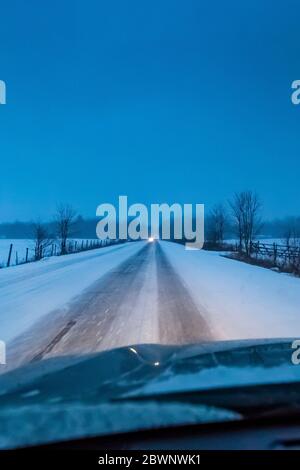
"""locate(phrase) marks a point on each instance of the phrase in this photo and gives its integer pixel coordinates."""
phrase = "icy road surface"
(140, 293)
(141, 300)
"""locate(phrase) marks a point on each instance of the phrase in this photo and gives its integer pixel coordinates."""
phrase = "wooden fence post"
(26, 258)
(275, 252)
(9, 255)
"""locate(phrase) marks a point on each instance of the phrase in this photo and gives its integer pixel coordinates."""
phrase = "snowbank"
(239, 300)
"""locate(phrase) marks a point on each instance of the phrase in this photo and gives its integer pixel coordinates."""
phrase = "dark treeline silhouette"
(84, 228)
(239, 219)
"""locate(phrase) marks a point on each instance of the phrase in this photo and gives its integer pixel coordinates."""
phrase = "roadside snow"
(239, 300)
(28, 292)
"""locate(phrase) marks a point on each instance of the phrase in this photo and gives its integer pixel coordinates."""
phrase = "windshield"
(150, 221)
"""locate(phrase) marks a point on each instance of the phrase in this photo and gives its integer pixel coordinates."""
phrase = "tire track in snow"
(180, 320)
(92, 317)
(141, 300)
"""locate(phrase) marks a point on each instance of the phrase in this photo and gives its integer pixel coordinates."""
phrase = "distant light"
(150, 239)
(156, 364)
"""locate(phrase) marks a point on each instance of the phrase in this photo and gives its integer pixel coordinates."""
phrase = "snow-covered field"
(19, 250)
(20, 246)
(278, 241)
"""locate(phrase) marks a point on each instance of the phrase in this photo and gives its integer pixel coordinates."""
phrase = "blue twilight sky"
(161, 100)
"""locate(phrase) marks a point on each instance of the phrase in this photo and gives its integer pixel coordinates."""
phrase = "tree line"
(242, 217)
(243, 213)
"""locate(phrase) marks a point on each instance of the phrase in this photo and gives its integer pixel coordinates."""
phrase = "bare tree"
(217, 223)
(237, 208)
(65, 221)
(291, 231)
(245, 208)
(41, 240)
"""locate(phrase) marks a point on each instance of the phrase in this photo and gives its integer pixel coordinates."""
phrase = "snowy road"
(140, 301)
(140, 293)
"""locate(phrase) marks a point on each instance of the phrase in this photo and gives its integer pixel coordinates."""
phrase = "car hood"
(139, 370)
(140, 387)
